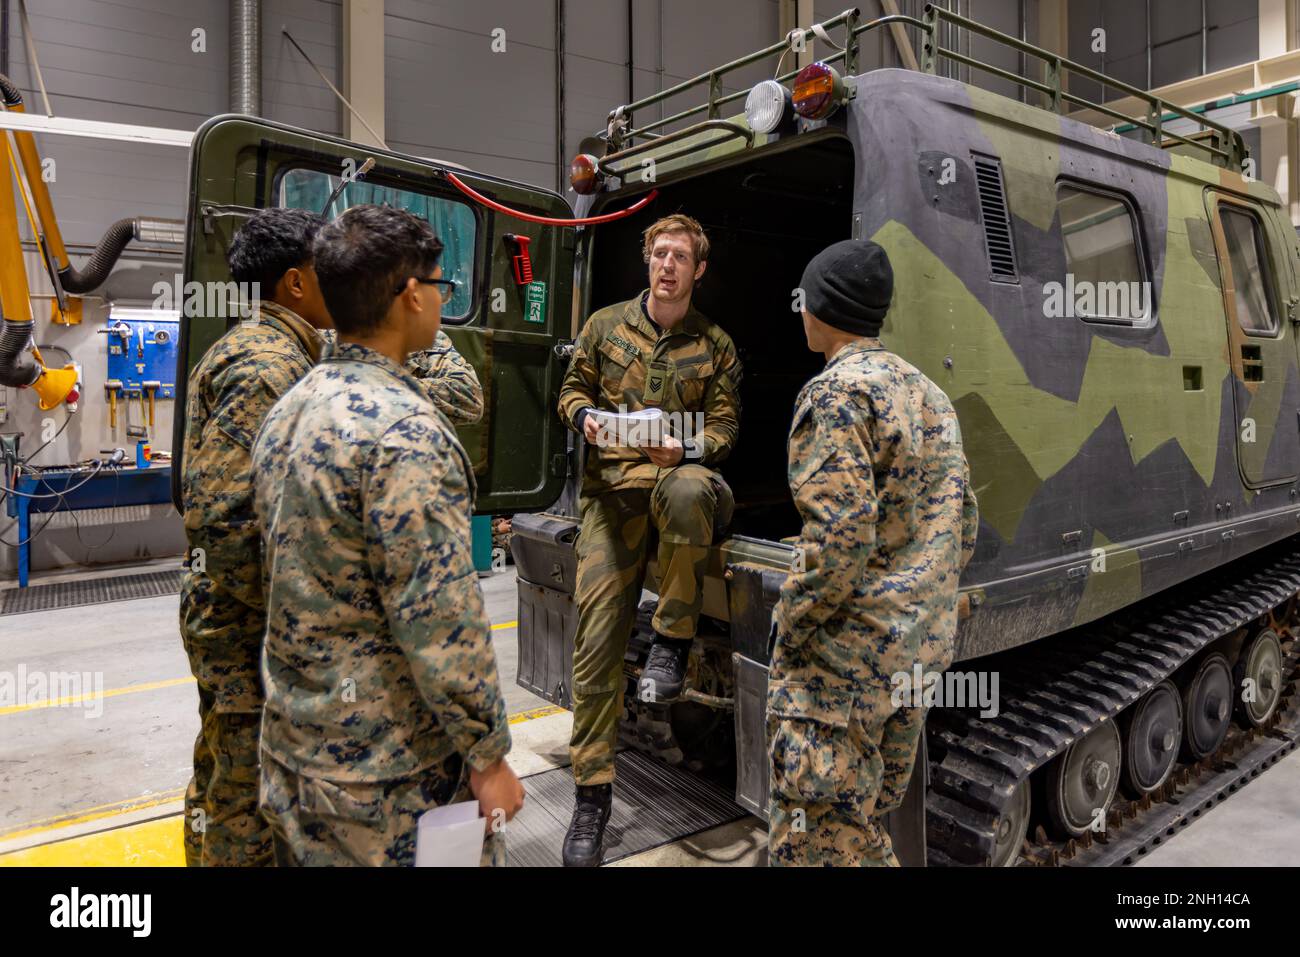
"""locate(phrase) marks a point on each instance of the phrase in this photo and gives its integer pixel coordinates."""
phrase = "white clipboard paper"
(450, 836)
(641, 429)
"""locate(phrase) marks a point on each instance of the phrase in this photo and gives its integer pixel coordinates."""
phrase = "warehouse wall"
(447, 95)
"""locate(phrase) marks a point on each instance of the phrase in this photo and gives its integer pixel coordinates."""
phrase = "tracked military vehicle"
(1113, 318)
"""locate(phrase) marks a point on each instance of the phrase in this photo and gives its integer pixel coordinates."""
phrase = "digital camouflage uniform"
(621, 359)
(889, 520)
(221, 608)
(446, 376)
(449, 379)
(381, 682)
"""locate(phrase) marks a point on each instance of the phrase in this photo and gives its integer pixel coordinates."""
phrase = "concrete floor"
(68, 771)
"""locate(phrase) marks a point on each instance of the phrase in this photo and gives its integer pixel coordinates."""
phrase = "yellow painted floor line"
(146, 844)
(70, 701)
(73, 818)
(522, 716)
(158, 843)
(74, 700)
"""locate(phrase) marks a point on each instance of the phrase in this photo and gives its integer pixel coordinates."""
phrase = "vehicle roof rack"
(1220, 144)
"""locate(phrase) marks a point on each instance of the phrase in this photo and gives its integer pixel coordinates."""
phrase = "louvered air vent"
(997, 226)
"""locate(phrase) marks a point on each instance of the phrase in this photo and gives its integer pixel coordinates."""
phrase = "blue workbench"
(114, 486)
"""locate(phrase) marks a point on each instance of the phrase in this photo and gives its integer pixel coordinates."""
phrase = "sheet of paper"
(450, 836)
(645, 427)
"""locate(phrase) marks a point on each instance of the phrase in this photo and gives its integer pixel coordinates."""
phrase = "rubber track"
(1099, 673)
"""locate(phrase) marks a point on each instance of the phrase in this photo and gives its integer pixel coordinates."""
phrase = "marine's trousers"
(319, 823)
(222, 825)
(842, 756)
(687, 506)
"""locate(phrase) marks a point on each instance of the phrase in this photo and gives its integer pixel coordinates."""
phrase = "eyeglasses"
(446, 288)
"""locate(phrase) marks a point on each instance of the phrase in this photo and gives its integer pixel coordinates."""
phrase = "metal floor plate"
(654, 804)
(68, 594)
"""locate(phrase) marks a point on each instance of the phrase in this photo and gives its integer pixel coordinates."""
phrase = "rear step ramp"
(654, 805)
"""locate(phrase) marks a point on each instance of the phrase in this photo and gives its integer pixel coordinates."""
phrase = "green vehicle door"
(507, 330)
(1261, 347)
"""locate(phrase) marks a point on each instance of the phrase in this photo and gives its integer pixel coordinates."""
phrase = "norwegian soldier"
(877, 472)
(222, 609)
(655, 351)
(382, 696)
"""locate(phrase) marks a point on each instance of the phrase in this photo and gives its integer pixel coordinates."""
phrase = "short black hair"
(270, 243)
(362, 258)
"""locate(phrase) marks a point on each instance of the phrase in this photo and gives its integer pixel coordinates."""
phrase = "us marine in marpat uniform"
(449, 379)
(222, 611)
(889, 521)
(381, 682)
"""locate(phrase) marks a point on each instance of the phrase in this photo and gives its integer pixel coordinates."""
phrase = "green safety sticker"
(535, 302)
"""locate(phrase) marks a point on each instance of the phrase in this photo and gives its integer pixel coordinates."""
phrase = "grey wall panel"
(98, 182)
(699, 36)
(448, 94)
(1002, 15)
(291, 91)
(134, 52)
(525, 22)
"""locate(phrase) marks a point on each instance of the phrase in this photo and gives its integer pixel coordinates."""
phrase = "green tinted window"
(453, 222)
(1101, 250)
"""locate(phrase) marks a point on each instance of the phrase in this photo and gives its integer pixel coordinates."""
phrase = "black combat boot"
(584, 841)
(665, 669)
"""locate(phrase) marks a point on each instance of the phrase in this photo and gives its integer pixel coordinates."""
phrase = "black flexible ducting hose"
(101, 260)
(11, 93)
(18, 367)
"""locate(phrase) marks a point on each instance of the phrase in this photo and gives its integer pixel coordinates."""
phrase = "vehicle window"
(1245, 242)
(1101, 254)
(453, 222)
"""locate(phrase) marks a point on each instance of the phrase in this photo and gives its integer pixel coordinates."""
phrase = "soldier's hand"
(590, 429)
(667, 455)
(498, 791)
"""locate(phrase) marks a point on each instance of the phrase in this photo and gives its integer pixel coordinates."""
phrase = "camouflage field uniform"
(878, 475)
(450, 381)
(221, 609)
(381, 682)
(620, 358)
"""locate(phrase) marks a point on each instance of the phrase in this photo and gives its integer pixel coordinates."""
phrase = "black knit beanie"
(848, 285)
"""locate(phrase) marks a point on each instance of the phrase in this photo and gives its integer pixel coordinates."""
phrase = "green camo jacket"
(231, 391)
(378, 660)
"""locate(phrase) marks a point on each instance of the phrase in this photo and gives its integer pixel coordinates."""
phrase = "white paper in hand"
(639, 429)
(450, 836)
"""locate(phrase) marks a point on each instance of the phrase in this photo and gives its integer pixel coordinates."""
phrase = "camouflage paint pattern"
(449, 380)
(221, 609)
(378, 661)
(1109, 458)
(889, 519)
(687, 507)
(610, 366)
(1112, 460)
